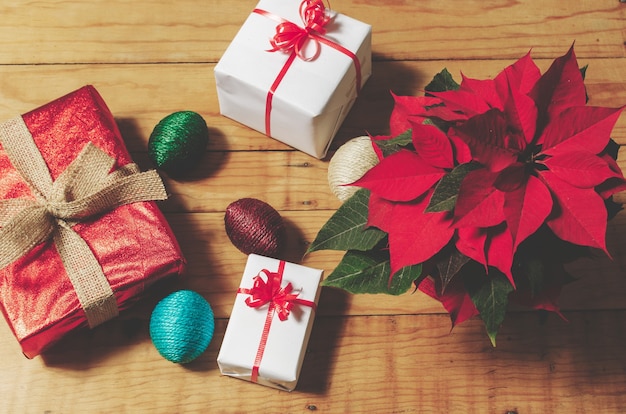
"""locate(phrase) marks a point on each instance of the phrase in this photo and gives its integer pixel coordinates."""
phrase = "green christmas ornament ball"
(182, 326)
(178, 142)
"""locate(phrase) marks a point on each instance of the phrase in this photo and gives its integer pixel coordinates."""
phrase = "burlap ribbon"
(84, 190)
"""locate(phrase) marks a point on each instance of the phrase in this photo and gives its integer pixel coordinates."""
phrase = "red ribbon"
(281, 301)
(291, 38)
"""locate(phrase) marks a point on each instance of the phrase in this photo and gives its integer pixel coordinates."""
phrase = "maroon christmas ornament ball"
(253, 226)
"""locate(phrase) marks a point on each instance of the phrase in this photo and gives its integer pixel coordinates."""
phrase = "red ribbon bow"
(262, 292)
(292, 38)
(280, 299)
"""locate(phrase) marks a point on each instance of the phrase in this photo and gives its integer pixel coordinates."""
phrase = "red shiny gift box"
(82, 236)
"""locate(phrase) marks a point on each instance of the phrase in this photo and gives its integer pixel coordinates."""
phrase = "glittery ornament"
(254, 226)
(178, 142)
(181, 326)
(348, 164)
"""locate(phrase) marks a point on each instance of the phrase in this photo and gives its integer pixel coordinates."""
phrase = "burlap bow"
(84, 190)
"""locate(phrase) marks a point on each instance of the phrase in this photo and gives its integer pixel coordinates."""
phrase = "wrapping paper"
(314, 96)
(133, 243)
(283, 342)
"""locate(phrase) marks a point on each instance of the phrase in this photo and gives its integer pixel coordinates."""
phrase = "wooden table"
(367, 353)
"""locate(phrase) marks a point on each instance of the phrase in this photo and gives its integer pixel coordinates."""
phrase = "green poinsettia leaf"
(393, 145)
(368, 272)
(491, 299)
(441, 82)
(449, 264)
(346, 229)
(447, 190)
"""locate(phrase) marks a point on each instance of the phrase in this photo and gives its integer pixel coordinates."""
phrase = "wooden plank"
(431, 30)
(286, 180)
(380, 364)
(151, 31)
(104, 31)
(141, 95)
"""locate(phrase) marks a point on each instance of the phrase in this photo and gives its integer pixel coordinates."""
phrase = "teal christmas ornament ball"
(178, 142)
(181, 326)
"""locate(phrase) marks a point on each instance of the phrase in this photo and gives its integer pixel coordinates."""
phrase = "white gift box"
(256, 339)
(314, 96)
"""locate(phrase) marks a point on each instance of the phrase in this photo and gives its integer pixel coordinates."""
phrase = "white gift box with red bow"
(271, 321)
(293, 71)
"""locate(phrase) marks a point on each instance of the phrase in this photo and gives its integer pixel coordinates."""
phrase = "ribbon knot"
(270, 291)
(291, 37)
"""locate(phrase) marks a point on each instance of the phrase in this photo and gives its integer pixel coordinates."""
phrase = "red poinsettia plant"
(484, 190)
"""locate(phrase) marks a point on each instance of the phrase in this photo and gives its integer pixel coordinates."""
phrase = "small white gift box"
(269, 327)
(298, 97)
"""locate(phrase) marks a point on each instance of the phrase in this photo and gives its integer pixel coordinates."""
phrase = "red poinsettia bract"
(540, 155)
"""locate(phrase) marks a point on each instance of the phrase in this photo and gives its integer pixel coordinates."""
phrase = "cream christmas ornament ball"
(348, 164)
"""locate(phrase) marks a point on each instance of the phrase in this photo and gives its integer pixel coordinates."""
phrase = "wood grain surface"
(369, 353)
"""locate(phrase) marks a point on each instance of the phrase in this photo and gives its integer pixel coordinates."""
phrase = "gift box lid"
(313, 86)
